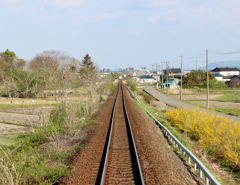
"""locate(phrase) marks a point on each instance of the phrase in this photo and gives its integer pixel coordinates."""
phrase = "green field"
(229, 97)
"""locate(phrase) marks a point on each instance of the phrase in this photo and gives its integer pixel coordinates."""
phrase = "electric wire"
(199, 55)
(225, 53)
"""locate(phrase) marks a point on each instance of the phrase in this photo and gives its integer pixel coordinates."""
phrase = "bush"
(214, 83)
(216, 134)
(133, 86)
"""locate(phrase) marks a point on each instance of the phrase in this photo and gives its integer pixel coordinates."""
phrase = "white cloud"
(12, 1)
(201, 10)
(164, 2)
(169, 15)
(64, 3)
(102, 16)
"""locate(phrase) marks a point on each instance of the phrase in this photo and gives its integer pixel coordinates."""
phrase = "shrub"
(214, 83)
(133, 86)
(216, 134)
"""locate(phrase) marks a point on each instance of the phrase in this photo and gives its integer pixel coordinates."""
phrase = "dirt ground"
(49, 100)
(212, 104)
(217, 104)
(10, 128)
(198, 96)
(19, 119)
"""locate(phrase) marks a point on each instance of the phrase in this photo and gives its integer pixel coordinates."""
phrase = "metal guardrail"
(197, 163)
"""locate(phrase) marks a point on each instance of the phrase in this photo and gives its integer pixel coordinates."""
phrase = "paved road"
(178, 103)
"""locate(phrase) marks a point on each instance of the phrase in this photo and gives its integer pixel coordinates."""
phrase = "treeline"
(49, 71)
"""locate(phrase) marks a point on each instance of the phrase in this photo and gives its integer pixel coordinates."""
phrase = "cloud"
(102, 16)
(164, 2)
(202, 11)
(64, 3)
(169, 15)
(12, 1)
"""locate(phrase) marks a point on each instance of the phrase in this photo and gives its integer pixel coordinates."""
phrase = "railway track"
(120, 162)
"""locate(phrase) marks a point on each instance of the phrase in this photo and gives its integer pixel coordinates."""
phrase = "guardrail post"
(189, 160)
(183, 154)
(200, 173)
(206, 181)
(195, 166)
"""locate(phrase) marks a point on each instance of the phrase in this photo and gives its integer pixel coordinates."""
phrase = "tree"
(58, 71)
(7, 69)
(196, 78)
(46, 60)
(88, 73)
(86, 65)
(8, 56)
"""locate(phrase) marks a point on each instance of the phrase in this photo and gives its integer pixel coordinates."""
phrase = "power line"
(200, 54)
(225, 53)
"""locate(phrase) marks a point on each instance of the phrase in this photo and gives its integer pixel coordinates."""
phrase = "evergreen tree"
(86, 65)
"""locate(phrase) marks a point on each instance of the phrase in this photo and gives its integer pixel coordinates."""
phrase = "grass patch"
(230, 111)
(229, 97)
(6, 140)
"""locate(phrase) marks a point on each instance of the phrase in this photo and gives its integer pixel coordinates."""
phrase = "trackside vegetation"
(182, 135)
(216, 134)
(43, 154)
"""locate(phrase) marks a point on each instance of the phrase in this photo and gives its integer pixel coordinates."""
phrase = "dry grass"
(9, 174)
(159, 105)
(49, 100)
(184, 91)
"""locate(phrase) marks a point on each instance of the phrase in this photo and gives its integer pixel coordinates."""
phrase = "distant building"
(234, 81)
(175, 72)
(172, 83)
(146, 79)
(226, 72)
(219, 77)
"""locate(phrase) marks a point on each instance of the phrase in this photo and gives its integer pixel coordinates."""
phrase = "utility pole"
(181, 79)
(162, 74)
(152, 67)
(167, 75)
(157, 74)
(207, 80)
(196, 65)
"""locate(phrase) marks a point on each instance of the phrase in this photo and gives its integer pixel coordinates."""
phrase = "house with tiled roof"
(234, 81)
(226, 72)
(175, 72)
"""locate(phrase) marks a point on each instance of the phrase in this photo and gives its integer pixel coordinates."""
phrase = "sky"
(121, 32)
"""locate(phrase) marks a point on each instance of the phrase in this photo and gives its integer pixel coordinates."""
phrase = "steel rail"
(133, 142)
(191, 156)
(109, 141)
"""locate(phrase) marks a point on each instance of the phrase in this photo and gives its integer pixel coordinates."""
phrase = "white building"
(225, 72)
